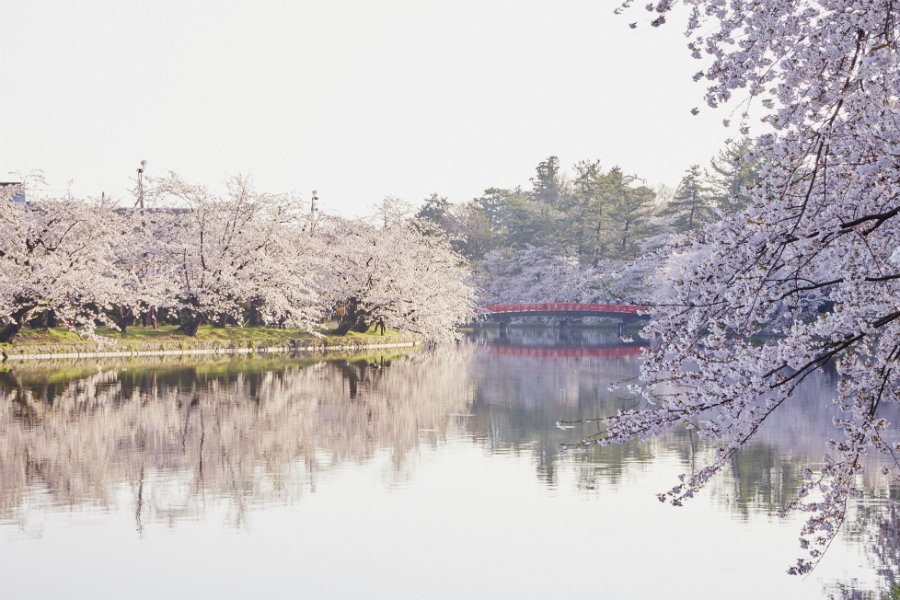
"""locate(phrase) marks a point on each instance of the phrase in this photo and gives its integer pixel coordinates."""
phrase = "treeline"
(195, 257)
(579, 236)
(595, 214)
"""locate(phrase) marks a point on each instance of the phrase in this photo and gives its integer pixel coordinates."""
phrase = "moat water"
(435, 474)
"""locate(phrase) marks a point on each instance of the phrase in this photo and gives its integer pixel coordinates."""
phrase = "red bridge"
(620, 313)
(565, 308)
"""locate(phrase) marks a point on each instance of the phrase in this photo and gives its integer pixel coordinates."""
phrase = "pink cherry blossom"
(811, 263)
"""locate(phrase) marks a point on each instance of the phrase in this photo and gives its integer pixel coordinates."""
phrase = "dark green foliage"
(693, 205)
(587, 209)
(630, 209)
(547, 185)
(597, 215)
(473, 237)
(437, 211)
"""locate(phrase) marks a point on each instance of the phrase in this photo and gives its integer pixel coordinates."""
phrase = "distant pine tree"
(693, 204)
(732, 174)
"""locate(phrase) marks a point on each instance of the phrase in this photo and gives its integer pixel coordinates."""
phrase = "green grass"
(46, 336)
(170, 335)
(55, 341)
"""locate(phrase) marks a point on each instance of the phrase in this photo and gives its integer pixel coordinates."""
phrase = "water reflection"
(874, 525)
(259, 431)
(526, 379)
(227, 429)
(526, 383)
(563, 337)
(174, 439)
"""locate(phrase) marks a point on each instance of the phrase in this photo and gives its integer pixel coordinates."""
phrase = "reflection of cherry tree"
(519, 398)
(244, 436)
(876, 525)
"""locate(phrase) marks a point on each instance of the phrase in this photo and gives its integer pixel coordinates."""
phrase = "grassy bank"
(168, 339)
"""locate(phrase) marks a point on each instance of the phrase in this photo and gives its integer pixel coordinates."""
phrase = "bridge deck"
(564, 308)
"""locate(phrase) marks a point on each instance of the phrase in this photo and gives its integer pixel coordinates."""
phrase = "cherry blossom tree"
(58, 255)
(535, 274)
(239, 249)
(221, 257)
(397, 277)
(148, 278)
(813, 259)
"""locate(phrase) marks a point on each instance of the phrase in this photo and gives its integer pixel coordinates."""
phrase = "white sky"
(357, 99)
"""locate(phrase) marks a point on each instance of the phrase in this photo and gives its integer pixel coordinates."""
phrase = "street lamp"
(313, 212)
(140, 173)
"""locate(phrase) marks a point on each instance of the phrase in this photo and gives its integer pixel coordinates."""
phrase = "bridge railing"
(581, 307)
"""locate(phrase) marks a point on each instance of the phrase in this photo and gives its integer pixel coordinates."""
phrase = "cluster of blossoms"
(535, 274)
(220, 258)
(812, 260)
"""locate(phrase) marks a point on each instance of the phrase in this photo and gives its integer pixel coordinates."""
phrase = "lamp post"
(313, 212)
(140, 173)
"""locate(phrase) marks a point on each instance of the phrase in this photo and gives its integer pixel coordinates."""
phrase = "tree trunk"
(353, 319)
(254, 314)
(343, 327)
(122, 316)
(362, 325)
(191, 323)
(38, 321)
(357, 323)
(9, 331)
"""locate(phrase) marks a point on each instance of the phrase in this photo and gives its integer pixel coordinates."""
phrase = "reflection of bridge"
(618, 312)
(555, 353)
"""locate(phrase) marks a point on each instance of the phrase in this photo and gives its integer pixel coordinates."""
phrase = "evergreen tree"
(473, 237)
(528, 222)
(548, 186)
(494, 202)
(732, 175)
(435, 214)
(588, 228)
(692, 204)
(630, 208)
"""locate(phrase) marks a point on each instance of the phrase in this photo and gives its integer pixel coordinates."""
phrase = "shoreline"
(112, 348)
(201, 351)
